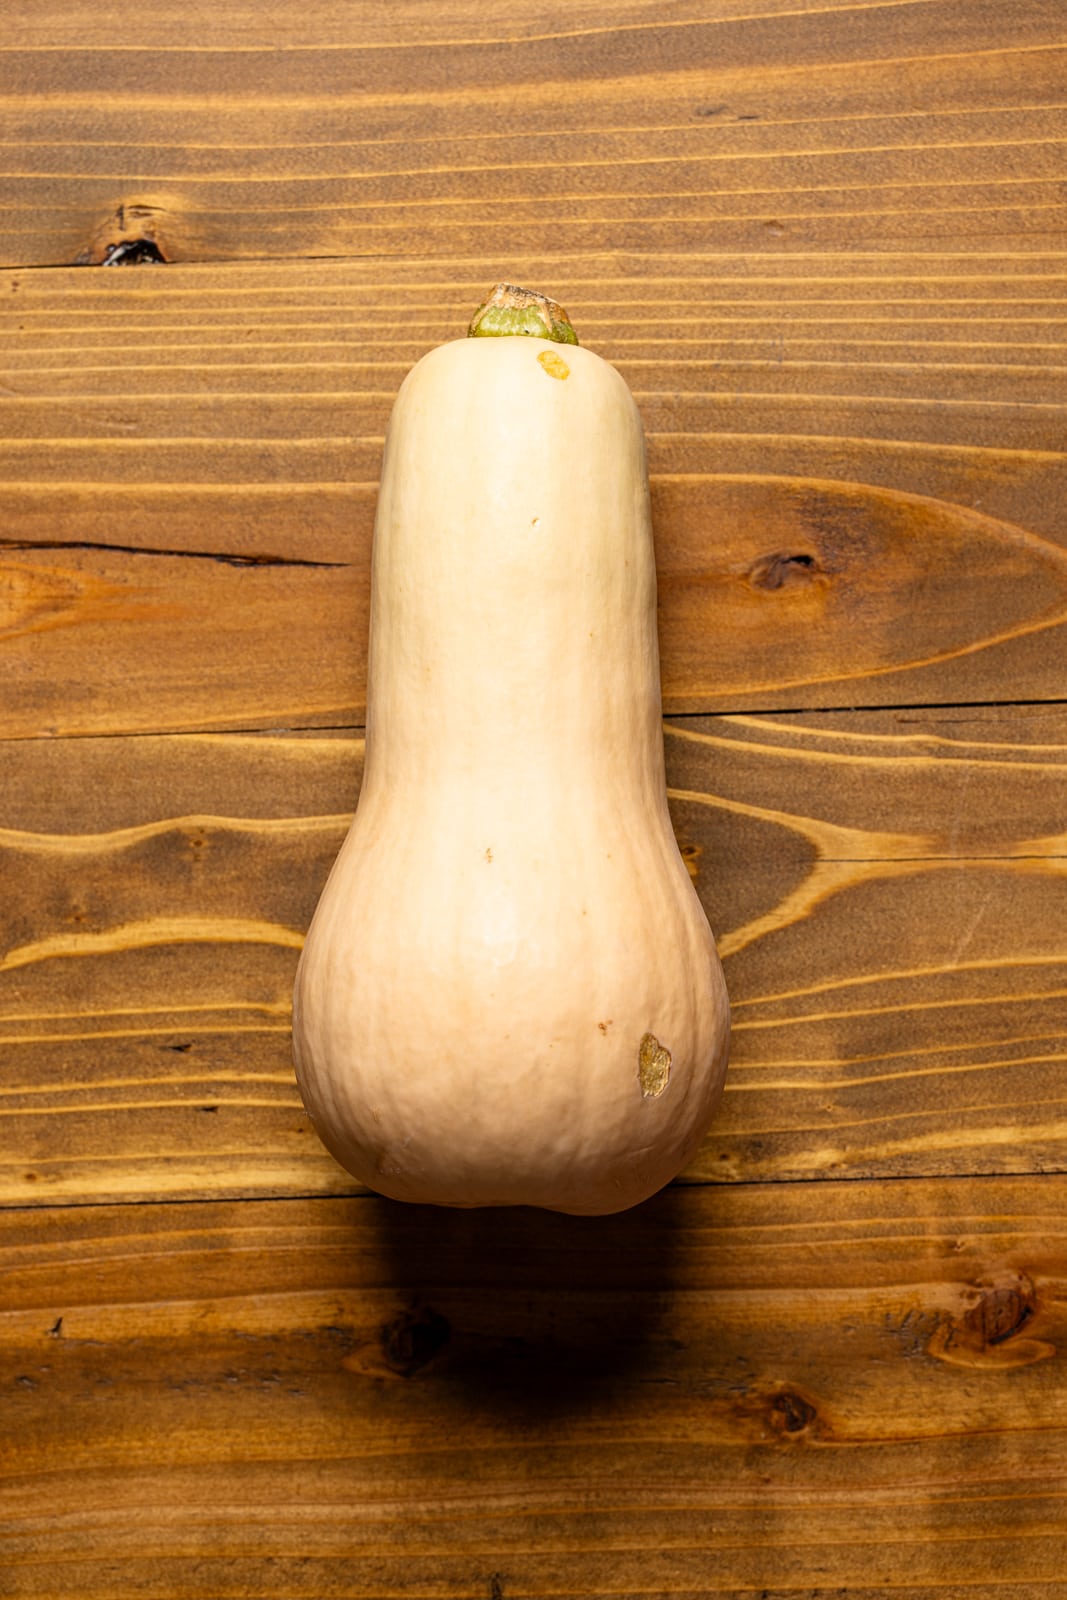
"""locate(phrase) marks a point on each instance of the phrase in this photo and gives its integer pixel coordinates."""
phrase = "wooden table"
(824, 243)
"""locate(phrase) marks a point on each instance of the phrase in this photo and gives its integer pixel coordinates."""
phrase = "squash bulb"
(509, 994)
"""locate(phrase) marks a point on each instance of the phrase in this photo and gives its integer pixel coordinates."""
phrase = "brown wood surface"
(824, 242)
(360, 1399)
(889, 891)
(858, 472)
(284, 130)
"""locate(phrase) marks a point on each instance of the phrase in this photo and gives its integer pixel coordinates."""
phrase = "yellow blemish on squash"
(653, 1066)
(554, 365)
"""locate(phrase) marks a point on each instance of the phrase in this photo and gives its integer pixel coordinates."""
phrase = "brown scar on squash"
(691, 854)
(653, 1066)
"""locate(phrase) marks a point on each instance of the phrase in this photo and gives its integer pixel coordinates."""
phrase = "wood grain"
(703, 1397)
(858, 476)
(824, 242)
(276, 130)
(889, 891)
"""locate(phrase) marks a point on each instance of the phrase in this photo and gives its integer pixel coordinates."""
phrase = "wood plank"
(858, 476)
(824, 243)
(755, 1390)
(913, 944)
(888, 889)
(275, 130)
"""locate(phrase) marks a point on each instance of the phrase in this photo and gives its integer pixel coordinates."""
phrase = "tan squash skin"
(509, 941)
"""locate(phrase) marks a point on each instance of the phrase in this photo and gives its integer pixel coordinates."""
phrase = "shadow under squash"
(529, 1313)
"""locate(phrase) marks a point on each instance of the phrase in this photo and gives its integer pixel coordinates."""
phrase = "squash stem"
(510, 310)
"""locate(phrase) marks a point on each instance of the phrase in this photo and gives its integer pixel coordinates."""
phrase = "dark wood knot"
(133, 253)
(791, 1413)
(412, 1340)
(994, 1331)
(1001, 1313)
(782, 568)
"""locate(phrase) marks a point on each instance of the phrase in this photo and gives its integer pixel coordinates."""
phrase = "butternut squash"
(509, 993)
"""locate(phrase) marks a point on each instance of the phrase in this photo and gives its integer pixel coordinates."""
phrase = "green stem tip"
(510, 310)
